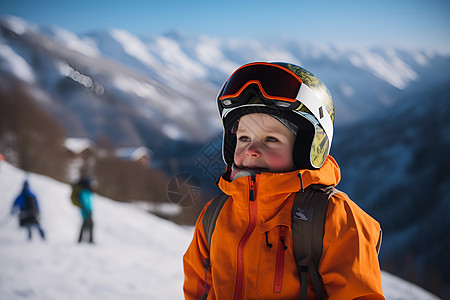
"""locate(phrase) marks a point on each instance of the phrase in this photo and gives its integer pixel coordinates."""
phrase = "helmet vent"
(321, 112)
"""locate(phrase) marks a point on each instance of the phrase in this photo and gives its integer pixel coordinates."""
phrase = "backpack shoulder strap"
(211, 214)
(307, 222)
(209, 224)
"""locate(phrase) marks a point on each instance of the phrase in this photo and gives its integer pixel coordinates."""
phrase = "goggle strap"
(307, 97)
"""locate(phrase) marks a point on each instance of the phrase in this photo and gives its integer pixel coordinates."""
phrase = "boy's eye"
(244, 139)
(271, 139)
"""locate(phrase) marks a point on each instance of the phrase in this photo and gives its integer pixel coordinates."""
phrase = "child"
(278, 128)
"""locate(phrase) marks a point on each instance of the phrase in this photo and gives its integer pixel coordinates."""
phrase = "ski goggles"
(278, 87)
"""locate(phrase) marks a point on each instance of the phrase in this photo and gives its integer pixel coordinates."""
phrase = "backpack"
(307, 222)
(29, 213)
(75, 195)
(29, 203)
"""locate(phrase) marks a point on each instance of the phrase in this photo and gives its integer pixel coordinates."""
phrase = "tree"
(29, 137)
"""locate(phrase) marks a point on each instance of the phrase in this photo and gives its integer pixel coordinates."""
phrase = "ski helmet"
(284, 90)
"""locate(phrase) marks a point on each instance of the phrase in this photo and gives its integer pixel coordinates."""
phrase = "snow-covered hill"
(136, 255)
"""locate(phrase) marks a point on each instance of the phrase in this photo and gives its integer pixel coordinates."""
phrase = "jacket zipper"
(279, 267)
(240, 253)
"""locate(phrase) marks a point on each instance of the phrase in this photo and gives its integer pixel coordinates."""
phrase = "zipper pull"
(252, 187)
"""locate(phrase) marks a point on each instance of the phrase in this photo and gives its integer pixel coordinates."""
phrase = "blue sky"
(405, 23)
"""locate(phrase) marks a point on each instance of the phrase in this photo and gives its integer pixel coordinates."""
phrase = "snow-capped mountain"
(135, 256)
(391, 114)
(85, 90)
(163, 89)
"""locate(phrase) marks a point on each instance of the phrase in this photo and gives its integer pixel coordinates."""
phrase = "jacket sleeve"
(193, 263)
(349, 265)
(16, 205)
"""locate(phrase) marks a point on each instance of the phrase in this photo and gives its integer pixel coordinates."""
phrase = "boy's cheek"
(280, 163)
(238, 156)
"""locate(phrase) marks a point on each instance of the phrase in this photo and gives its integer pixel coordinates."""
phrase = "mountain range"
(392, 108)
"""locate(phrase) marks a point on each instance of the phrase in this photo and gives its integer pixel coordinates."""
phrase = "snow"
(15, 64)
(388, 67)
(174, 58)
(136, 255)
(209, 53)
(133, 46)
(134, 86)
(77, 145)
(17, 25)
(72, 41)
(396, 289)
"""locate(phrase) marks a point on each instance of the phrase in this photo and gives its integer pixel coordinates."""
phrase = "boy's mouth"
(253, 168)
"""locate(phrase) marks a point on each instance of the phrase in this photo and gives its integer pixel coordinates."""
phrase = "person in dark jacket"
(27, 205)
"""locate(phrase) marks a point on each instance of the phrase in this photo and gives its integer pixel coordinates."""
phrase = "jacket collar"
(271, 186)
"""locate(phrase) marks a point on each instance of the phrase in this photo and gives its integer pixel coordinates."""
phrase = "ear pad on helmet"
(302, 145)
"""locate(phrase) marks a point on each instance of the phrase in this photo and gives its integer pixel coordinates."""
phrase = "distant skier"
(86, 186)
(27, 205)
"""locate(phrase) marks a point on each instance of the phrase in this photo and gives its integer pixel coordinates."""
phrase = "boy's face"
(263, 143)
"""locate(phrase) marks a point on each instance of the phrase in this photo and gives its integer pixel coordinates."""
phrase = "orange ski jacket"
(252, 249)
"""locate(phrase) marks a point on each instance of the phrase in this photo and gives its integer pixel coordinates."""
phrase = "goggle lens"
(275, 81)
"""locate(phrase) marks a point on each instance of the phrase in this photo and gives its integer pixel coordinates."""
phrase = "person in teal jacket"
(86, 209)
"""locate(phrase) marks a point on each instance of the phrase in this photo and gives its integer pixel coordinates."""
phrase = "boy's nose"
(253, 150)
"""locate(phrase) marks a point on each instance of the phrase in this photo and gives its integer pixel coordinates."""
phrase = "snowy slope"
(136, 255)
